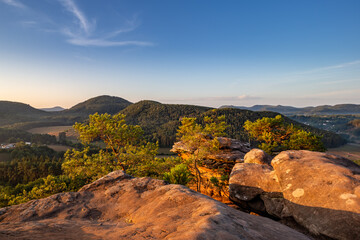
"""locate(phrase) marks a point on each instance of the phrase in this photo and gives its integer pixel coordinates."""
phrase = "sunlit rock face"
(231, 151)
(119, 206)
(321, 192)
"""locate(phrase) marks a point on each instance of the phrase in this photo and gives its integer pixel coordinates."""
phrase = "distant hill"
(53, 109)
(22, 116)
(319, 110)
(14, 112)
(100, 104)
(81, 111)
(160, 121)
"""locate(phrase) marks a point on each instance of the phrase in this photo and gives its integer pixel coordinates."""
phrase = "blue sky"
(204, 52)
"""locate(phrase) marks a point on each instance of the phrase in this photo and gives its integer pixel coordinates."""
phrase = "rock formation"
(231, 152)
(119, 206)
(321, 192)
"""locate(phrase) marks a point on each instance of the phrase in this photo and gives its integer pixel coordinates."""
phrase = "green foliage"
(154, 168)
(23, 151)
(179, 174)
(275, 135)
(200, 139)
(160, 121)
(40, 188)
(89, 167)
(221, 185)
(125, 148)
(29, 163)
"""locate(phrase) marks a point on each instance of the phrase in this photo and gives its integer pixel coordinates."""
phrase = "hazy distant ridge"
(53, 109)
(289, 110)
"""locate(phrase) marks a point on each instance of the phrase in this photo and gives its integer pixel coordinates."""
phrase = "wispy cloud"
(87, 35)
(105, 43)
(83, 22)
(326, 68)
(82, 31)
(14, 3)
(28, 23)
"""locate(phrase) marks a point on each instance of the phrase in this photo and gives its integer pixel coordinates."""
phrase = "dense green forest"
(30, 163)
(160, 121)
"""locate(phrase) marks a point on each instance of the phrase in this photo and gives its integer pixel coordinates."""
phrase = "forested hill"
(160, 121)
(22, 116)
(13, 112)
(100, 104)
(319, 110)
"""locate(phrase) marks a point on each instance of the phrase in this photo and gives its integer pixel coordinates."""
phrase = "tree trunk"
(198, 176)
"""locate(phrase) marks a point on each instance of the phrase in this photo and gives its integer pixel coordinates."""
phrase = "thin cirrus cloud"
(338, 66)
(85, 37)
(83, 33)
(84, 24)
(14, 3)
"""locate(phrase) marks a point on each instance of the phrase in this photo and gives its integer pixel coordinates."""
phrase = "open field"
(55, 130)
(5, 157)
(350, 151)
(59, 148)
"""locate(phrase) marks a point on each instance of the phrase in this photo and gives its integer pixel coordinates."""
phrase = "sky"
(203, 52)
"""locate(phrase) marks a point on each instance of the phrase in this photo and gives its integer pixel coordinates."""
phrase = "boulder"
(257, 156)
(321, 192)
(119, 206)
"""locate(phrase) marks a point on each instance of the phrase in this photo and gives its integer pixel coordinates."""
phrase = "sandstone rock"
(231, 151)
(257, 156)
(118, 206)
(321, 192)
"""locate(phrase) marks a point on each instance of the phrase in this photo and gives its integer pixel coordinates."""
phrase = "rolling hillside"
(15, 112)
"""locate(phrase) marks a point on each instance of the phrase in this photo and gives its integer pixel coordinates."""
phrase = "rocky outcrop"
(257, 156)
(118, 206)
(321, 192)
(231, 152)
